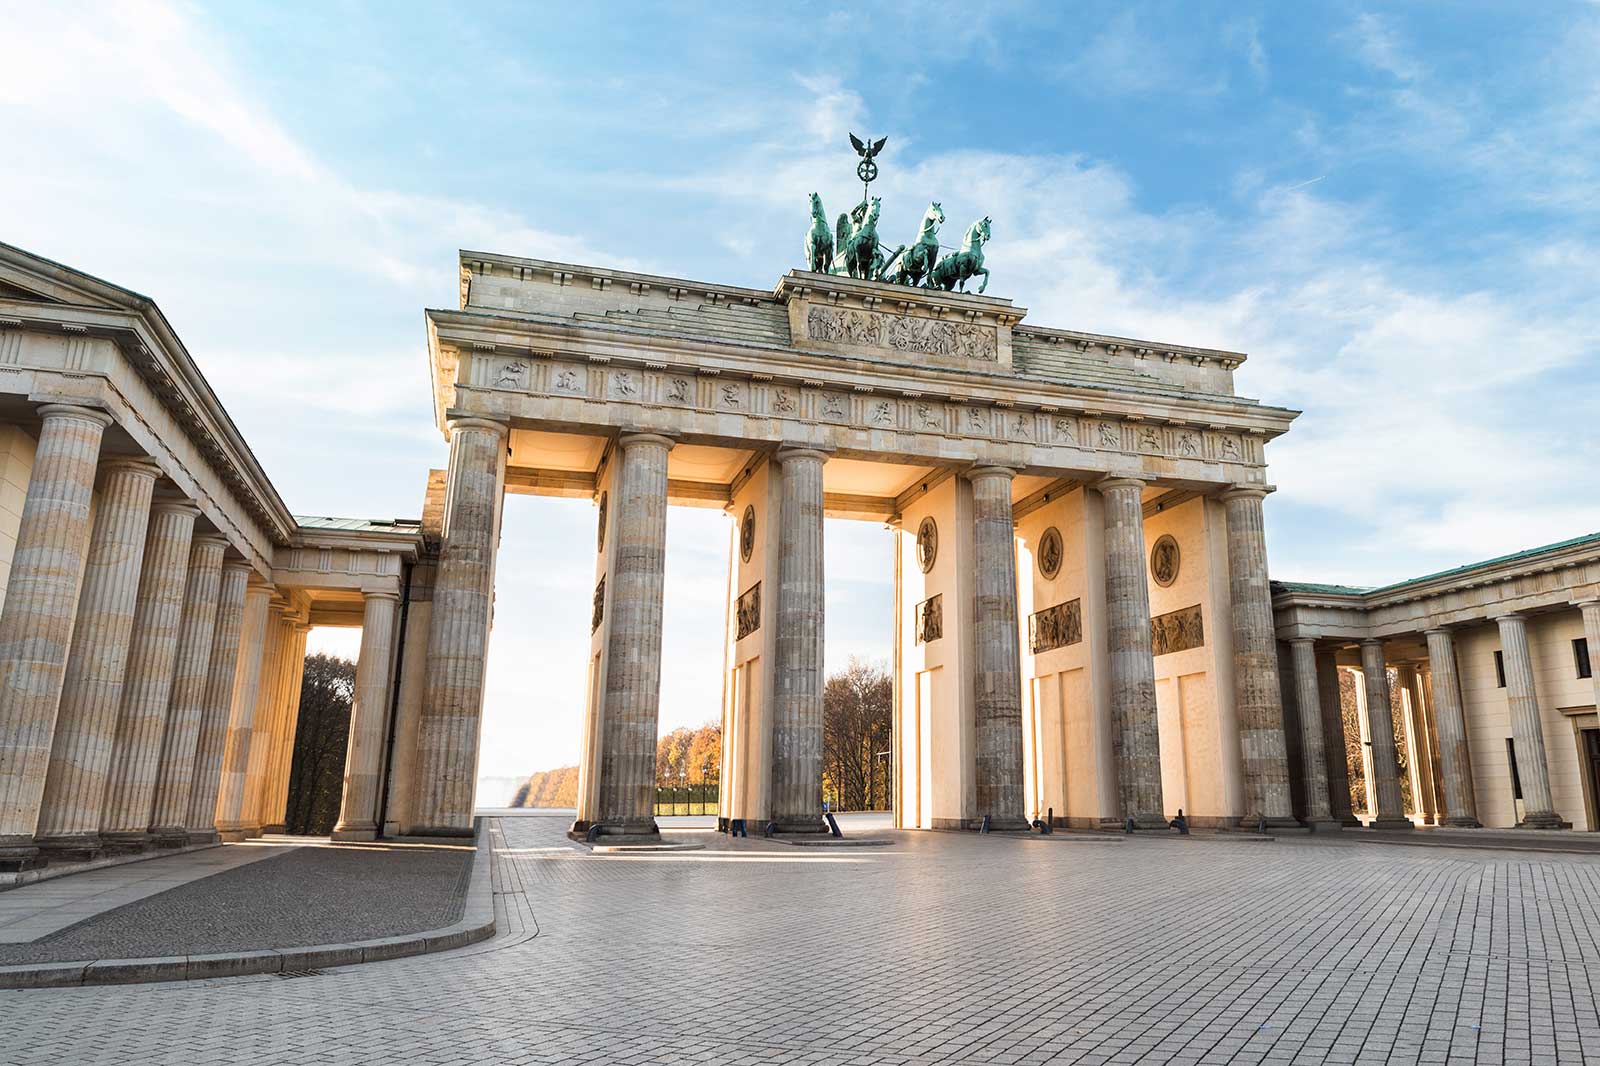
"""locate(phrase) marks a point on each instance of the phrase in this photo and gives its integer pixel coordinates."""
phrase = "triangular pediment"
(35, 279)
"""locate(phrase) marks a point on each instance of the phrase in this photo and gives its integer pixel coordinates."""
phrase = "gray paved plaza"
(942, 948)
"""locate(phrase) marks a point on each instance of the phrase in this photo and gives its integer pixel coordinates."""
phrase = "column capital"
(237, 564)
(802, 451)
(131, 464)
(185, 508)
(211, 538)
(1372, 642)
(1302, 640)
(1120, 481)
(1587, 602)
(1508, 616)
(379, 594)
(990, 470)
(628, 440)
(51, 411)
(490, 425)
(1443, 631)
(1246, 492)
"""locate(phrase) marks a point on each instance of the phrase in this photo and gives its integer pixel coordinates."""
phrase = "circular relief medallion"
(1050, 553)
(1164, 560)
(747, 532)
(927, 543)
(600, 538)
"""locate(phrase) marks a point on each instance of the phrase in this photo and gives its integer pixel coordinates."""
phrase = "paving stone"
(942, 948)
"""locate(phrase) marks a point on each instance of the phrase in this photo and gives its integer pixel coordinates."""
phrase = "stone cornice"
(453, 331)
(1551, 579)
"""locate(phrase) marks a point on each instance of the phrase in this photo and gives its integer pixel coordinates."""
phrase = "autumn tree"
(857, 708)
(316, 776)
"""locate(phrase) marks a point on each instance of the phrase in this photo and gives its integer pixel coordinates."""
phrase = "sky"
(1394, 209)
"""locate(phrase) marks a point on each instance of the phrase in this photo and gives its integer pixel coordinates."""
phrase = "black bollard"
(984, 828)
(1128, 828)
(772, 829)
(833, 826)
(593, 834)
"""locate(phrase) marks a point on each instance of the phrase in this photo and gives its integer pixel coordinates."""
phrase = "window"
(1580, 657)
(1500, 669)
(1511, 757)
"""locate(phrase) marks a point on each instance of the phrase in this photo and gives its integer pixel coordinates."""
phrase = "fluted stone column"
(36, 622)
(458, 631)
(266, 720)
(996, 656)
(216, 702)
(358, 807)
(1313, 755)
(1258, 701)
(1136, 736)
(275, 799)
(1390, 812)
(1333, 740)
(234, 779)
(169, 822)
(633, 655)
(1533, 766)
(91, 695)
(147, 686)
(1421, 754)
(1591, 634)
(797, 680)
(1455, 762)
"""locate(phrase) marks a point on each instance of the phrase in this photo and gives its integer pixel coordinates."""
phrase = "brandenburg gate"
(1083, 627)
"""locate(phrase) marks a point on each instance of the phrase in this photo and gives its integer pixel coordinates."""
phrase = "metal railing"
(687, 799)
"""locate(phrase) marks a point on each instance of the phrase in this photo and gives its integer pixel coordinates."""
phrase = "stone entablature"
(86, 341)
(569, 375)
(1543, 579)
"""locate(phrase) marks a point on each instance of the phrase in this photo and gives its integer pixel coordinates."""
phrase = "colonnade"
(131, 647)
(1440, 760)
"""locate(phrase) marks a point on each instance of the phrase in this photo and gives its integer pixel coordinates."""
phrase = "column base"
(19, 855)
(618, 831)
(124, 843)
(1348, 821)
(1145, 823)
(1543, 820)
(354, 832)
(797, 826)
(203, 836)
(234, 834)
(1462, 823)
(84, 848)
(1391, 823)
(277, 828)
(1323, 825)
(169, 837)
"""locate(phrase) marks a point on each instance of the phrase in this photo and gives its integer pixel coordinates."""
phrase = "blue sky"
(1392, 209)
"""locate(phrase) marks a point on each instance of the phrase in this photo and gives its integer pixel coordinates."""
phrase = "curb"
(477, 923)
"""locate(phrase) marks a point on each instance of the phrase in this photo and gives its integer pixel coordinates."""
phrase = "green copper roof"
(1318, 589)
(1355, 590)
(360, 525)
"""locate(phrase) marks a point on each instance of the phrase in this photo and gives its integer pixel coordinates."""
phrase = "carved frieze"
(512, 374)
(902, 333)
(569, 380)
(1177, 631)
(930, 619)
(1054, 627)
(747, 612)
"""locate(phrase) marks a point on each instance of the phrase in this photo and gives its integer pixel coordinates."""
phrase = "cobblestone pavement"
(945, 948)
(306, 895)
